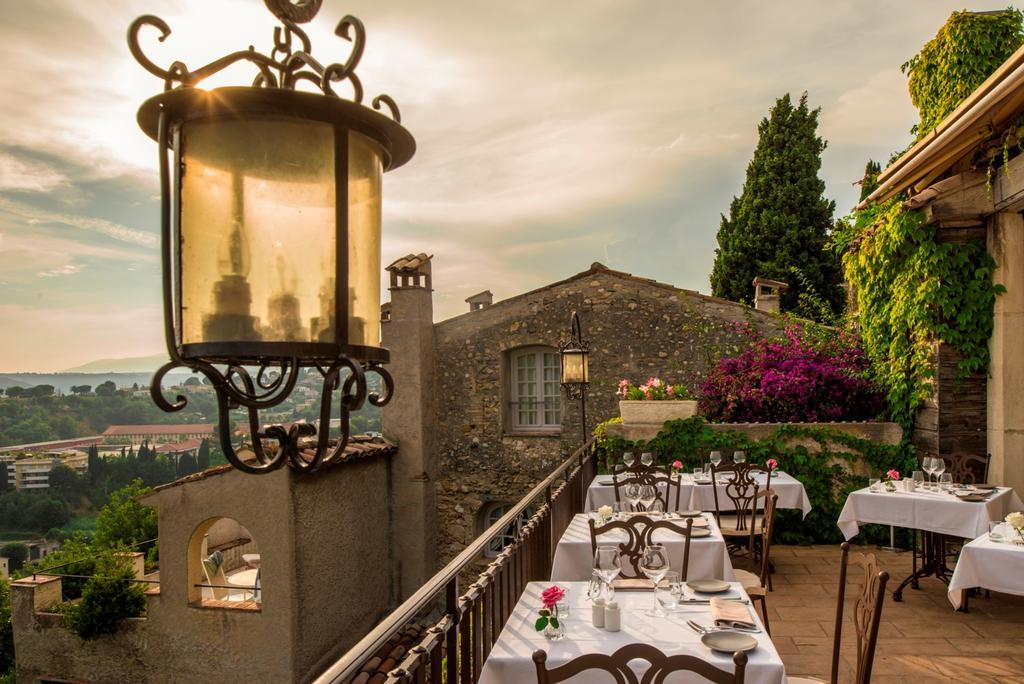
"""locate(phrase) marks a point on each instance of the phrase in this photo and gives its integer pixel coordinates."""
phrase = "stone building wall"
(636, 328)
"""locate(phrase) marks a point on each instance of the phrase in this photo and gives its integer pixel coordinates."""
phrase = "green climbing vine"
(913, 290)
(965, 51)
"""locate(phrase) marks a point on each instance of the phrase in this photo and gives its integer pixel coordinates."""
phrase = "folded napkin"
(698, 521)
(731, 614)
(638, 584)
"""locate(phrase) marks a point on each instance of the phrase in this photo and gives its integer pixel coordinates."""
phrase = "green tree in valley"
(81, 389)
(187, 465)
(125, 521)
(65, 482)
(106, 389)
(96, 464)
(204, 455)
(15, 392)
(781, 220)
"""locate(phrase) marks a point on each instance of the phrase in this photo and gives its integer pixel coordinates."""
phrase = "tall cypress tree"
(781, 220)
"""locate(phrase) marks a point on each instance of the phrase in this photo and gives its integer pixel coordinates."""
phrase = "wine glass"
(939, 464)
(739, 457)
(647, 458)
(628, 458)
(607, 559)
(928, 463)
(632, 493)
(716, 458)
(654, 564)
(946, 482)
(668, 595)
(918, 479)
(648, 496)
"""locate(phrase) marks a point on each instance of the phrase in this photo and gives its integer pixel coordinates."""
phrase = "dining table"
(698, 494)
(709, 557)
(510, 659)
(989, 563)
(936, 514)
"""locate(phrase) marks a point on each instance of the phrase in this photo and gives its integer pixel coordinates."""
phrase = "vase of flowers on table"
(548, 621)
(891, 478)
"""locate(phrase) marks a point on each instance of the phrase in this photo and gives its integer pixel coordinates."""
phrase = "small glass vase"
(551, 632)
(890, 486)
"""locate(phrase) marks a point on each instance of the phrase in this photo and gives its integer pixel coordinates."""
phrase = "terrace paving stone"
(921, 639)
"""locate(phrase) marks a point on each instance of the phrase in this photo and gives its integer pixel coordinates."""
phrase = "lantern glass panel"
(258, 226)
(574, 366)
(364, 210)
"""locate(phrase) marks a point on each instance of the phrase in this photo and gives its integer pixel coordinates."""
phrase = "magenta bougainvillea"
(809, 375)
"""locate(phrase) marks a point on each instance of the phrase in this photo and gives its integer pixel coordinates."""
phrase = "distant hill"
(135, 364)
(63, 382)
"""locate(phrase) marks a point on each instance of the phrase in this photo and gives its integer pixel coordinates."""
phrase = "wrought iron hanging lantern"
(575, 360)
(574, 355)
(270, 232)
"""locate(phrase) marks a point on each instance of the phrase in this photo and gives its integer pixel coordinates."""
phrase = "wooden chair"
(617, 664)
(639, 529)
(653, 475)
(968, 468)
(739, 525)
(758, 586)
(867, 612)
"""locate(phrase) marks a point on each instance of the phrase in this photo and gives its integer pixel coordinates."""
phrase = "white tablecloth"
(998, 566)
(700, 497)
(790, 490)
(574, 557)
(928, 511)
(511, 659)
(602, 493)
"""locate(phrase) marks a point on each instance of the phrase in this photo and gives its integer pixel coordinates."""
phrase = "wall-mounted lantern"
(574, 354)
(271, 232)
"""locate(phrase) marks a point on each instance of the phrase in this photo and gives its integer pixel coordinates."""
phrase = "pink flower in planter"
(670, 390)
(893, 474)
(552, 596)
(678, 465)
(772, 463)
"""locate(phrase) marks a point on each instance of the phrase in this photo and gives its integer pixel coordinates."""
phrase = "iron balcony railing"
(455, 646)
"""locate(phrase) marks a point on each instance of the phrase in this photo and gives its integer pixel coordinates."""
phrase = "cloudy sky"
(551, 135)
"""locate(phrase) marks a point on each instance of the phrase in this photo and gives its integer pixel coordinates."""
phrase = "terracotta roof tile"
(196, 428)
(359, 446)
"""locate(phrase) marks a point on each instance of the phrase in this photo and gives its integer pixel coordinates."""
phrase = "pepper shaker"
(597, 612)
(612, 617)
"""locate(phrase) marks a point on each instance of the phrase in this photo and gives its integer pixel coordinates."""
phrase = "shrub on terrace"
(812, 374)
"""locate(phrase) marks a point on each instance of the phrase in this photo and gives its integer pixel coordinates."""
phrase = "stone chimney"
(480, 300)
(766, 294)
(407, 331)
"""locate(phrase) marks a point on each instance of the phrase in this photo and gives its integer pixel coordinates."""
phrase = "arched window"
(534, 392)
(224, 566)
(492, 513)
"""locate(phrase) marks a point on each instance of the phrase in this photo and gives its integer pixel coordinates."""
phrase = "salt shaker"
(597, 612)
(612, 617)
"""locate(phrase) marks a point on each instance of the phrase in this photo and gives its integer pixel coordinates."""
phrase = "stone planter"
(641, 412)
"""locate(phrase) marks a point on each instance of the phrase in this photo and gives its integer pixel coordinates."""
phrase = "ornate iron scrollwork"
(290, 61)
(236, 388)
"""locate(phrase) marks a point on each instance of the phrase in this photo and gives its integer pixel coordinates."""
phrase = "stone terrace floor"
(920, 640)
